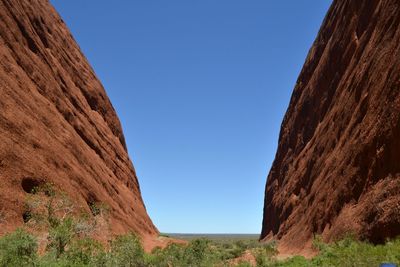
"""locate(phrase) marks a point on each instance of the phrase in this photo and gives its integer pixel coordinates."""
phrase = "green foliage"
(318, 243)
(346, 252)
(265, 254)
(172, 255)
(95, 209)
(18, 249)
(127, 251)
(47, 208)
(227, 252)
(205, 253)
(243, 264)
(46, 188)
(198, 253)
(349, 252)
(60, 235)
(98, 208)
(297, 261)
(67, 248)
(85, 252)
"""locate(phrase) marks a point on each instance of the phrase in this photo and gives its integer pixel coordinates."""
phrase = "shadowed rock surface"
(57, 124)
(337, 167)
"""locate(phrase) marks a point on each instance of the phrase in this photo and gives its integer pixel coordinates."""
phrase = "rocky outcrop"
(337, 167)
(57, 124)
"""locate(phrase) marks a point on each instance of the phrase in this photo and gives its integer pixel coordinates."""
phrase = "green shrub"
(172, 255)
(127, 251)
(85, 252)
(265, 254)
(60, 236)
(296, 261)
(197, 252)
(18, 249)
(66, 248)
(243, 264)
(46, 188)
(350, 252)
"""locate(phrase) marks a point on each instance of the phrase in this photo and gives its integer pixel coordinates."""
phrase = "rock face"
(57, 124)
(337, 168)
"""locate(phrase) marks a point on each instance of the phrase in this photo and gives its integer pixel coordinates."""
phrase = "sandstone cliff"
(57, 124)
(337, 167)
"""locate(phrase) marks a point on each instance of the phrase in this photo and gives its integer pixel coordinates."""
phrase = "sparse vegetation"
(69, 243)
(20, 249)
(346, 252)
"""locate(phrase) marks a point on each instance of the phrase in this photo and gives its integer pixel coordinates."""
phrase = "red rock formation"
(337, 168)
(57, 124)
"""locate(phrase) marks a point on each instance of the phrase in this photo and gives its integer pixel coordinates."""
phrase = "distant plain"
(218, 238)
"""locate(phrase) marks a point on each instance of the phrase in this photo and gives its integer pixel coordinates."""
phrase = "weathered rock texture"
(337, 168)
(57, 124)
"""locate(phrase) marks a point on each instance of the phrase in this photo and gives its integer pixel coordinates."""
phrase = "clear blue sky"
(201, 88)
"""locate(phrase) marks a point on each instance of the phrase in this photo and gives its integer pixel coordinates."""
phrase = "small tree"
(198, 253)
(85, 252)
(18, 249)
(61, 235)
(127, 251)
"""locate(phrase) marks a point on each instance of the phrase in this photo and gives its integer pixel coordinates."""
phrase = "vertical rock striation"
(57, 124)
(337, 167)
